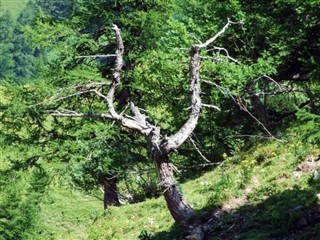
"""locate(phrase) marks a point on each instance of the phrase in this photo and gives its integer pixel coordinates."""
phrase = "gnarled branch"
(174, 141)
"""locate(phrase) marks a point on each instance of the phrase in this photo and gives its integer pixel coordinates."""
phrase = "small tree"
(159, 147)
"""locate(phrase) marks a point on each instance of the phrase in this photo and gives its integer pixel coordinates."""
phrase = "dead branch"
(269, 78)
(226, 52)
(117, 71)
(137, 114)
(86, 85)
(211, 40)
(175, 140)
(210, 106)
(247, 135)
(136, 123)
(181, 135)
(79, 93)
(197, 149)
(83, 92)
(70, 113)
(225, 91)
(97, 56)
(242, 106)
(284, 91)
(214, 59)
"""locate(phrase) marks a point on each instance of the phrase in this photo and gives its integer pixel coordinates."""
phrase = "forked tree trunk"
(110, 193)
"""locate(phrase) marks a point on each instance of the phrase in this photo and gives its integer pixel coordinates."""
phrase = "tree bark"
(177, 205)
(110, 192)
(180, 210)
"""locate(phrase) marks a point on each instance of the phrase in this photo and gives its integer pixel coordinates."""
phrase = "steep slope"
(268, 192)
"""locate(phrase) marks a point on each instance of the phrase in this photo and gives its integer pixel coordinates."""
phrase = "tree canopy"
(94, 90)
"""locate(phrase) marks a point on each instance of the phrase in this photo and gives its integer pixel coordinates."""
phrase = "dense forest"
(160, 119)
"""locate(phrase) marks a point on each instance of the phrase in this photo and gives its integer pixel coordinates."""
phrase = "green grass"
(255, 191)
(66, 214)
(254, 195)
(257, 187)
(13, 6)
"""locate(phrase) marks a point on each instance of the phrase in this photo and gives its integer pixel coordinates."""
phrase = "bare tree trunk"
(180, 210)
(110, 192)
(177, 205)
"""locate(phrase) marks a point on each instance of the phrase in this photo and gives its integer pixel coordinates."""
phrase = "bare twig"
(284, 91)
(269, 78)
(211, 40)
(70, 113)
(80, 93)
(83, 92)
(242, 106)
(247, 135)
(198, 150)
(227, 53)
(137, 114)
(86, 85)
(225, 91)
(215, 59)
(195, 38)
(210, 106)
(97, 56)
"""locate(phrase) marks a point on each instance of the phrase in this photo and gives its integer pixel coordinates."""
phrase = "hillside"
(160, 120)
(13, 6)
(268, 192)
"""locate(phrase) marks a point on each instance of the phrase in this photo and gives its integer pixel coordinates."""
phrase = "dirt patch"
(234, 203)
(310, 165)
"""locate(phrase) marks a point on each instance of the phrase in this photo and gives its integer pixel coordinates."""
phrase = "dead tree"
(159, 147)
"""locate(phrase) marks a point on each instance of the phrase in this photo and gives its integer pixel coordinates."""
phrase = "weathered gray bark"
(180, 210)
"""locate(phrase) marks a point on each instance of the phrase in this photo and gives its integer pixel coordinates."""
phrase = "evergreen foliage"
(266, 78)
(6, 46)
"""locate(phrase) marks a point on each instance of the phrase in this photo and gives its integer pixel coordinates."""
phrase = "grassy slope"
(257, 195)
(67, 214)
(14, 6)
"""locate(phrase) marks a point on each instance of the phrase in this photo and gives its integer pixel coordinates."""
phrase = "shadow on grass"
(291, 214)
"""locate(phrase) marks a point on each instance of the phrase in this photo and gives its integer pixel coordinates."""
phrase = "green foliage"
(6, 46)
(18, 60)
(309, 131)
(58, 10)
(20, 197)
(278, 38)
(144, 235)
(12, 6)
